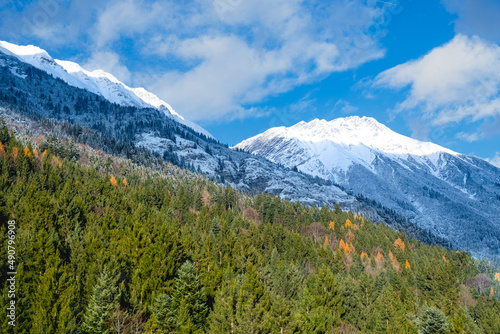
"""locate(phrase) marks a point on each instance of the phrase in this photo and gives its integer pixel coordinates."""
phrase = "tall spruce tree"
(433, 321)
(101, 305)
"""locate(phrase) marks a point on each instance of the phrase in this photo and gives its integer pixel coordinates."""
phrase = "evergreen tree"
(433, 321)
(101, 305)
(186, 310)
(215, 227)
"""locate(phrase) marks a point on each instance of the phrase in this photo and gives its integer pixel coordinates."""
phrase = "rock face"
(454, 195)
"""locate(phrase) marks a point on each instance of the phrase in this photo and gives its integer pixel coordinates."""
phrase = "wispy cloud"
(470, 137)
(304, 105)
(458, 81)
(344, 107)
(495, 161)
(212, 59)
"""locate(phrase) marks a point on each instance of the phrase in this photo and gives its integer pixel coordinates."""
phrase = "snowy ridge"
(98, 82)
(351, 131)
(338, 144)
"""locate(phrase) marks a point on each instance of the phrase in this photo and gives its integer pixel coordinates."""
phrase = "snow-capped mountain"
(329, 149)
(454, 195)
(97, 81)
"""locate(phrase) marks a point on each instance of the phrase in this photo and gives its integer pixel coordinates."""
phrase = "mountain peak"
(353, 131)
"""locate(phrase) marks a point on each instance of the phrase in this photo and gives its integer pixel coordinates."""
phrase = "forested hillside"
(107, 246)
(29, 96)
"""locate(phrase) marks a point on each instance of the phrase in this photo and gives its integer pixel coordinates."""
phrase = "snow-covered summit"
(326, 148)
(97, 81)
(21, 50)
(349, 132)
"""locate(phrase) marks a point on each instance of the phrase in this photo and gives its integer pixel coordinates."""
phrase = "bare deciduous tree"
(317, 231)
(481, 282)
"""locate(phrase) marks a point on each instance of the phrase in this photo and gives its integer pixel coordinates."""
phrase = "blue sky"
(427, 69)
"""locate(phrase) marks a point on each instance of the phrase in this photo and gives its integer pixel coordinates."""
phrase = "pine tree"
(433, 321)
(186, 310)
(101, 305)
(223, 316)
(163, 313)
(215, 227)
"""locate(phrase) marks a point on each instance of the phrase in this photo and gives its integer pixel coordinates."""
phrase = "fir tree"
(433, 321)
(101, 305)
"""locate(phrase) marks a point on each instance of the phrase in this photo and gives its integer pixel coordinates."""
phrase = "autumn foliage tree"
(399, 244)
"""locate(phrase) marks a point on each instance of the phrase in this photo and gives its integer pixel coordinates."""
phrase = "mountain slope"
(456, 196)
(30, 91)
(98, 82)
(28, 94)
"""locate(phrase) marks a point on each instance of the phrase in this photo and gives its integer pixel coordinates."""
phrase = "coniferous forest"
(104, 245)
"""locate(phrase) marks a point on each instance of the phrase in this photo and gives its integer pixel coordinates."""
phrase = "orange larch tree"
(332, 225)
(380, 257)
(344, 246)
(394, 261)
(2, 151)
(14, 153)
(27, 152)
(399, 244)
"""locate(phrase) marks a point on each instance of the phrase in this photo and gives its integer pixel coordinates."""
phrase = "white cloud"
(127, 19)
(495, 161)
(459, 81)
(217, 58)
(245, 51)
(470, 137)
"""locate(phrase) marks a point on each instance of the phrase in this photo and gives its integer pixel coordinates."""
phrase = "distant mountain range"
(355, 162)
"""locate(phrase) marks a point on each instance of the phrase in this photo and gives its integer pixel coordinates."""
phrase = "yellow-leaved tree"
(332, 225)
(399, 244)
(27, 152)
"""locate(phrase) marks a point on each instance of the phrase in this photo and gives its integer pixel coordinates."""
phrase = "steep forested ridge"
(107, 246)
